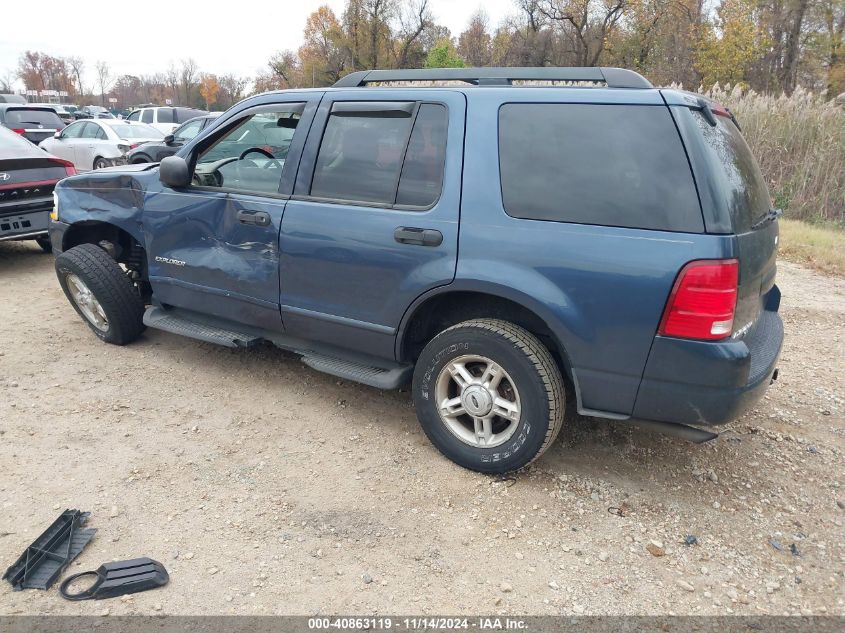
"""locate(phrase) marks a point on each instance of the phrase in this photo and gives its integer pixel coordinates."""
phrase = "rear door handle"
(258, 218)
(420, 237)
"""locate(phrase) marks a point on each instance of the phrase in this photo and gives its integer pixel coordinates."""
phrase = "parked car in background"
(99, 143)
(10, 98)
(154, 151)
(64, 114)
(497, 245)
(166, 119)
(93, 112)
(34, 123)
(27, 178)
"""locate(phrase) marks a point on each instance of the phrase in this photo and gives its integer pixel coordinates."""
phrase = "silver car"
(98, 143)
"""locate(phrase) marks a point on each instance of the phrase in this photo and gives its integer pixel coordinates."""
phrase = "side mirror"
(168, 140)
(57, 134)
(173, 172)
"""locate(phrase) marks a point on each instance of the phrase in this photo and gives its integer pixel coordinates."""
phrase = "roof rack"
(612, 77)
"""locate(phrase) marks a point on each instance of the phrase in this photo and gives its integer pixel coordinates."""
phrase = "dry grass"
(799, 142)
(821, 247)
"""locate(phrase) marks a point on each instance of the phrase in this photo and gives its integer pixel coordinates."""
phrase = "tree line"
(770, 46)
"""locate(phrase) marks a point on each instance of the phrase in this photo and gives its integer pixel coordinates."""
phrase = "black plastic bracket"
(117, 578)
(43, 561)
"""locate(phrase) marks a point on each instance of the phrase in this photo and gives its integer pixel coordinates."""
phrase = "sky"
(153, 33)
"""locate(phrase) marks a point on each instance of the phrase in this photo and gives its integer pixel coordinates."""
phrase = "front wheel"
(101, 292)
(488, 395)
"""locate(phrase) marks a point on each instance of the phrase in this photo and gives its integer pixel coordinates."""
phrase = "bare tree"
(414, 18)
(76, 66)
(104, 79)
(188, 77)
(475, 44)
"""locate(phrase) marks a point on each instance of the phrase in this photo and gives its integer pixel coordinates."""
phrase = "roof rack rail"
(612, 77)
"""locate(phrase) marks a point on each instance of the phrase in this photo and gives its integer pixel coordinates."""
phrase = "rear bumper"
(28, 220)
(704, 383)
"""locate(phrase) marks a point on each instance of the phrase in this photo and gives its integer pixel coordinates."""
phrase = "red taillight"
(702, 302)
(18, 130)
(134, 145)
(70, 170)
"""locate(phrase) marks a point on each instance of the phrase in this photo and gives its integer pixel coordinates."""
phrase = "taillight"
(134, 145)
(703, 300)
(18, 130)
(70, 170)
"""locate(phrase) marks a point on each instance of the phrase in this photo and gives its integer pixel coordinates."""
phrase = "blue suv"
(499, 237)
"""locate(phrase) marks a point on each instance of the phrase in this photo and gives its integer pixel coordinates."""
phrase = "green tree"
(443, 55)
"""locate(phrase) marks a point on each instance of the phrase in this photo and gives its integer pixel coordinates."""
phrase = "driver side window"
(251, 155)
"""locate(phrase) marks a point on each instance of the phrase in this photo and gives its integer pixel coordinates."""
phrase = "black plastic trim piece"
(43, 561)
(118, 578)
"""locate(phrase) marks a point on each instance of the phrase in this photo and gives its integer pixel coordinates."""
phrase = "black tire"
(44, 242)
(100, 163)
(531, 368)
(140, 159)
(110, 286)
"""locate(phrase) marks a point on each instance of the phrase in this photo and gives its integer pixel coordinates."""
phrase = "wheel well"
(118, 243)
(141, 158)
(446, 310)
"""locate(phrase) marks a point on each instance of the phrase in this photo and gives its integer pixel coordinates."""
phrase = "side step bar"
(372, 376)
(322, 359)
(162, 319)
(683, 431)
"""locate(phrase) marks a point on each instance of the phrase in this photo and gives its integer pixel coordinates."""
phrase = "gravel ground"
(266, 487)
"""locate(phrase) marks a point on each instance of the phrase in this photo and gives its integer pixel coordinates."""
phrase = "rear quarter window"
(610, 165)
(738, 174)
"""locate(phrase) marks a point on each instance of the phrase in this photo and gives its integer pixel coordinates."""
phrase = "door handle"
(420, 237)
(258, 218)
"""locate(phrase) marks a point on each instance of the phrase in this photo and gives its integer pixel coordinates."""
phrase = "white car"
(97, 143)
(165, 119)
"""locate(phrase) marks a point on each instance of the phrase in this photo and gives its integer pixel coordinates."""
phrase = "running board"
(689, 433)
(161, 319)
(350, 370)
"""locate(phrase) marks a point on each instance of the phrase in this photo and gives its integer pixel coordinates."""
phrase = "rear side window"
(596, 164)
(739, 175)
(382, 152)
(180, 115)
(422, 171)
(165, 115)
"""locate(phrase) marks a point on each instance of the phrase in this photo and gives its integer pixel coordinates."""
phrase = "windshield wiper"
(771, 215)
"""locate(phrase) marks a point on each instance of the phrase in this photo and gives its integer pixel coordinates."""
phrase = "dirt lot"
(265, 487)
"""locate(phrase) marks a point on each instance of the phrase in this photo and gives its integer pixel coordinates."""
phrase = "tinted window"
(180, 115)
(422, 171)
(361, 155)
(165, 115)
(23, 117)
(147, 116)
(738, 173)
(135, 116)
(251, 155)
(596, 164)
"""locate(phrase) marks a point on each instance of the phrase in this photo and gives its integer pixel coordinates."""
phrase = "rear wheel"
(489, 395)
(140, 159)
(100, 163)
(101, 292)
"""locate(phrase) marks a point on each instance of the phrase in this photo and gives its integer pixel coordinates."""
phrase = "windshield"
(136, 131)
(740, 176)
(22, 116)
